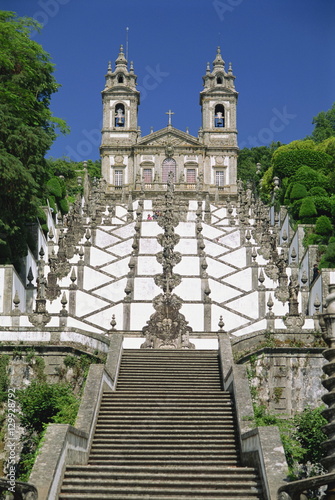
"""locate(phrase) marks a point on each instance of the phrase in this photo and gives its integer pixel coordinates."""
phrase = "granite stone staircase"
(167, 432)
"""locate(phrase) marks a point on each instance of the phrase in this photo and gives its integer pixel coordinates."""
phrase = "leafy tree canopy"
(286, 163)
(27, 129)
(309, 178)
(300, 144)
(324, 125)
(248, 159)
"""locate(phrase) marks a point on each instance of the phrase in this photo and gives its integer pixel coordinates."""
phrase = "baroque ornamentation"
(167, 328)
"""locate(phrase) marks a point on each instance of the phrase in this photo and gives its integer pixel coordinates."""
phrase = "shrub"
(295, 209)
(41, 215)
(328, 258)
(323, 226)
(54, 187)
(42, 403)
(307, 212)
(310, 435)
(322, 205)
(297, 192)
(52, 203)
(63, 206)
(4, 379)
(318, 191)
(309, 178)
(312, 239)
(286, 163)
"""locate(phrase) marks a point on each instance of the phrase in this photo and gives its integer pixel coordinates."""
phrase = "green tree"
(42, 403)
(309, 433)
(286, 163)
(248, 159)
(309, 178)
(324, 125)
(27, 129)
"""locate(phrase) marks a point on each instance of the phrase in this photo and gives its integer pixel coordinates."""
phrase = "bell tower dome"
(120, 109)
(218, 101)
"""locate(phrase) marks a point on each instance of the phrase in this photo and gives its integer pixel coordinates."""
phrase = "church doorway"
(169, 165)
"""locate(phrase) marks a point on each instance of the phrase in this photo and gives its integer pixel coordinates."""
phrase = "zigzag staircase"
(167, 432)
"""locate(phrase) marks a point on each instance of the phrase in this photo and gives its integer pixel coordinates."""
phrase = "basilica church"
(200, 300)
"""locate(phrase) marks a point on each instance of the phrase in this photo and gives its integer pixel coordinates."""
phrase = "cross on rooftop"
(170, 113)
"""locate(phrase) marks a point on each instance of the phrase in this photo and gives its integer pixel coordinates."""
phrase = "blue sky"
(282, 53)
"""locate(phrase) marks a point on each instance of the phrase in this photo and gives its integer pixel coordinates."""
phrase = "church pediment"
(169, 136)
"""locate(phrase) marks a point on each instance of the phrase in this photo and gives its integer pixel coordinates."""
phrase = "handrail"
(295, 490)
(20, 490)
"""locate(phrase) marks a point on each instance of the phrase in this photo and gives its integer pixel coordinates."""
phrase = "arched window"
(219, 178)
(120, 79)
(219, 116)
(119, 115)
(169, 165)
(219, 80)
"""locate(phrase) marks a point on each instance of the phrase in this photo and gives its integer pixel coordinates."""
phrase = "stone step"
(167, 353)
(167, 452)
(157, 461)
(176, 377)
(155, 441)
(157, 486)
(163, 426)
(173, 434)
(207, 473)
(159, 385)
(201, 396)
(172, 494)
(178, 447)
(159, 411)
(169, 369)
(167, 416)
(152, 396)
(166, 433)
(164, 469)
(113, 405)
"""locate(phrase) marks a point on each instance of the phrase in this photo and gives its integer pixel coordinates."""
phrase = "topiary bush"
(54, 187)
(318, 191)
(286, 163)
(324, 228)
(309, 178)
(297, 192)
(322, 205)
(328, 258)
(63, 206)
(307, 212)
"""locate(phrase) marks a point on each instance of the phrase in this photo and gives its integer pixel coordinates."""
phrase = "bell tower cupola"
(218, 102)
(120, 132)
(120, 102)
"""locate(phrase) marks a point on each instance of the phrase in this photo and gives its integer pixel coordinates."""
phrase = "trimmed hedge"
(297, 192)
(286, 163)
(307, 212)
(323, 226)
